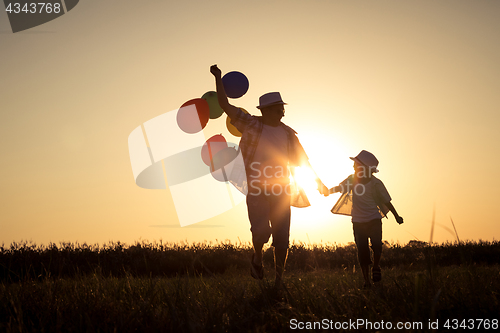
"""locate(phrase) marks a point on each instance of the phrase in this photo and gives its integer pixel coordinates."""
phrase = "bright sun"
(330, 162)
(305, 178)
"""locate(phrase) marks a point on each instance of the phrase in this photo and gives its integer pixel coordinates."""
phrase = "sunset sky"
(417, 83)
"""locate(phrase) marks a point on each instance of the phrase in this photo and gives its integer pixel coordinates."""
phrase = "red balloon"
(192, 120)
(213, 145)
(224, 157)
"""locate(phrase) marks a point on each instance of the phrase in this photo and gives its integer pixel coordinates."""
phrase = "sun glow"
(328, 155)
(329, 159)
(305, 178)
(315, 219)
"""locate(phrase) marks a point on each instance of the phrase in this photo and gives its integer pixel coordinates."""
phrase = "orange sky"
(416, 83)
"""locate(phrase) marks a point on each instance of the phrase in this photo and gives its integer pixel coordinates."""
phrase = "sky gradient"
(415, 83)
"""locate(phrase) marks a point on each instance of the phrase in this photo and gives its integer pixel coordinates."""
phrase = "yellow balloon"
(231, 128)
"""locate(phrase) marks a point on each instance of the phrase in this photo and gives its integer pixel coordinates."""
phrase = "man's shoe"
(256, 271)
(376, 274)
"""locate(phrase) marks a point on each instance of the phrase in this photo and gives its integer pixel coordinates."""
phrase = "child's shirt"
(367, 199)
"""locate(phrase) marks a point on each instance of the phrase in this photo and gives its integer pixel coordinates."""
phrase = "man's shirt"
(251, 128)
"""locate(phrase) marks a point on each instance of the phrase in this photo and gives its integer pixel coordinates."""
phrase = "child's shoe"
(376, 274)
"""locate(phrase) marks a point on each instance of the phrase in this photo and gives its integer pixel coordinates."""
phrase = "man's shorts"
(269, 214)
(363, 231)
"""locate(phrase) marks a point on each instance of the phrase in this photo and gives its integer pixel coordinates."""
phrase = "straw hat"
(367, 159)
(269, 99)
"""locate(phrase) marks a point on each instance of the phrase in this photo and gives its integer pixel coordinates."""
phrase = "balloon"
(229, 166)
(224, 157)
(235, 84)
(193, 115)
(222, 160)
(213, 145)
(231, 128)
(215, 109)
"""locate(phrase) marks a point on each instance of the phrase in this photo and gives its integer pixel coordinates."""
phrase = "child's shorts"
(364, 230)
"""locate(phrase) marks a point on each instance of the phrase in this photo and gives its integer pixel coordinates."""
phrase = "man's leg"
(257, 249)
(280, 256)
(280, 223)
(258, 214)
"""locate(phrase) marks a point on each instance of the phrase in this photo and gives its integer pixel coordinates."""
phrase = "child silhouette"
(370, 203)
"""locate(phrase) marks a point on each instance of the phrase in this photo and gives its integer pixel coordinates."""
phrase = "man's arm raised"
(229, 109)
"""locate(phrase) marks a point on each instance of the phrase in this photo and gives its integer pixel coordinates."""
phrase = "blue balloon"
(235, 84)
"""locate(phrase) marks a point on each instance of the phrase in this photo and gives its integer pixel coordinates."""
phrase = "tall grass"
(28, 261)
(202, 288)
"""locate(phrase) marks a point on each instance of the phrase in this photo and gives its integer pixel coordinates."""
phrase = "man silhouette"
(268, 147)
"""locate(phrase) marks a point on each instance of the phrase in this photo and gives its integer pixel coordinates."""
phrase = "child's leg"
(361, 239)
(376, 240)
(366, 274)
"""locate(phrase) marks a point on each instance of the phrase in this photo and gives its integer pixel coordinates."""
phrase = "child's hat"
(367, 159)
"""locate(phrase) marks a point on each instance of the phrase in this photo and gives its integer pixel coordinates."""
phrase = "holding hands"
(323, 189)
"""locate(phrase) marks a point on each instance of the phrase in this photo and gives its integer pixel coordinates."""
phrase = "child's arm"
(345, 186)
(399, 219)
(335, 189)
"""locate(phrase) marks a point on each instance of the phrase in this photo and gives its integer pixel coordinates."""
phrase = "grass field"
(207, 288)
